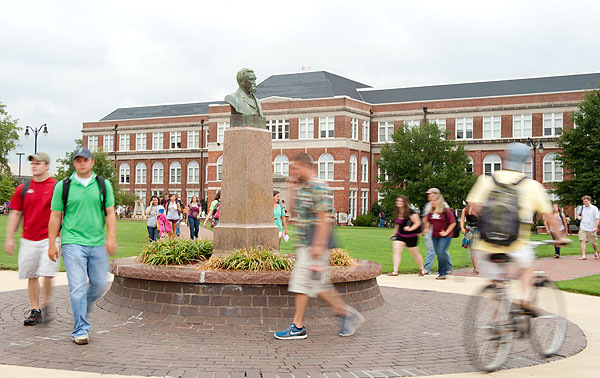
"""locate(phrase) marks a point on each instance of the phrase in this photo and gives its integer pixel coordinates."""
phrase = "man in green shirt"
(84, 242)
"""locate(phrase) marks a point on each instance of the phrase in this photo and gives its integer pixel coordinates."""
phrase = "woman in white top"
(561, 221)
(152, 211)
(173, 209)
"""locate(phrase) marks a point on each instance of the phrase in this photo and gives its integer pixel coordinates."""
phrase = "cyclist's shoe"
(292, 332)
(35, 316)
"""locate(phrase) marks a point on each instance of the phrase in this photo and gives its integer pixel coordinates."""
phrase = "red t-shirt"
(440, 222)
(36, 210)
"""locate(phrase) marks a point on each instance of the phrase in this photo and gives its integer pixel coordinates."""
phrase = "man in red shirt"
(33, 251)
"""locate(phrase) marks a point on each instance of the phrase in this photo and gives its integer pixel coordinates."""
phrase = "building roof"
(564, 83)
(323, 84)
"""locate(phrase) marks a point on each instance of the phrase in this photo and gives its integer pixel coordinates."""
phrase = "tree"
(421, 158)
(579, 154)
(9, 136)
(7, 187)
(103, 166)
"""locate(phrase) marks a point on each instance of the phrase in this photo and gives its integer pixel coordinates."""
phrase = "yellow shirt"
(532, 198)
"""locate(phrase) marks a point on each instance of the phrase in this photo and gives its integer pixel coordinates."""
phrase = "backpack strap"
(102, 186)
(65, 193)
(26, 186)
(515, 184)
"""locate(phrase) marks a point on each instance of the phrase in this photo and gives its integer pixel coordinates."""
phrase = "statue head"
(247, 80)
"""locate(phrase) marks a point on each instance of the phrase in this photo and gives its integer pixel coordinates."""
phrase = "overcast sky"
(67, 62)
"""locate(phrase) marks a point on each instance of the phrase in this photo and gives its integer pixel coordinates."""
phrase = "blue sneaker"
(351, 322)
(291, 332)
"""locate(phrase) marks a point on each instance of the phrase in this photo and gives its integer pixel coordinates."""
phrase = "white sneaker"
(351, 323)
(80, 340)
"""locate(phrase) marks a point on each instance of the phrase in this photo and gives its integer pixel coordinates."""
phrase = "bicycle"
(492, 318)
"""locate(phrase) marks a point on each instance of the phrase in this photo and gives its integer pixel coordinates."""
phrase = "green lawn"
(586, 285)
(367, 243)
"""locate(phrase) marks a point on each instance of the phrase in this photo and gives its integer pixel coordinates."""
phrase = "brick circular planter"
(191, 295)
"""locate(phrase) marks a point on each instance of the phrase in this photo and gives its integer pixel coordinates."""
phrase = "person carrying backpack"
(86, 204)
(31, 201)
(214, 212)
(505, 202)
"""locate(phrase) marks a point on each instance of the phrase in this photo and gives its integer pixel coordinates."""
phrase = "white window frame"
(326, 127)
(471, 164)
(528, 168)
(306, 128)
(492, 127)
(175, 140)
(352, 168)
(552, 124)
(441, 124)
(220, 168)
(281, 165)
(365, 131)
(108, 143)
(354, 129)
(193, 139)
(140, 141)
(156, 193)
(385, 131)
(352, 194)
(411, 123)
(385, 177)
(189, 193)
(553, 168)
(124, 173)
(364, 169)
(221, 126)
(158, 173)
(141, 194)
(491, 164)
(465, 126)
(364, 202)
(93, 143)
(522, 125)
(279, 128)
(175, 173)
(124, 142)
(157, 141)
(140, 173)
(326, 167)
(193, 172)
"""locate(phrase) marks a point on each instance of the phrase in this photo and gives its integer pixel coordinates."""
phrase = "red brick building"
(342, 124)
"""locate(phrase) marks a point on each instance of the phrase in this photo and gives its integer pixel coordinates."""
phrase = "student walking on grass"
(588, 228)
(32, 201)
(407, 226)
(469, 225)
(310, 277)
(279, 216)
(560, 222)
(86, 203)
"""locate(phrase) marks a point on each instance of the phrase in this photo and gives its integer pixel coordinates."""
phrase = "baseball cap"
(433, 190)
(516, 155)
(40, 156)
(83, 152)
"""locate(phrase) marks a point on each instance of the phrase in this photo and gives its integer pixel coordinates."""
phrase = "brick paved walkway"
(415, 333)
(565, 268)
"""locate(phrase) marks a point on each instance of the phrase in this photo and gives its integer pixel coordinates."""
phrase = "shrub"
(252, 259)
(366, 220)
(340, 257)
(172, 251)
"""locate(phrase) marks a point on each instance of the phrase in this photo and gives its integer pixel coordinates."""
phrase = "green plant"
(366, 220)
(172, 251)
(252, 259)
(340, 257)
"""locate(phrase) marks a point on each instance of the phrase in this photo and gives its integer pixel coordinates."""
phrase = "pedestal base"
(230, 236)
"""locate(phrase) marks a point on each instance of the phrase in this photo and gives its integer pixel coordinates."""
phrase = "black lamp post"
(20, 154)
(115, 145)
(35, 131)
(535, 145)
(202, 159)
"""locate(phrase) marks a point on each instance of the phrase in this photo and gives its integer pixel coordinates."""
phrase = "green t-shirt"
(84, 219)
(278, 212)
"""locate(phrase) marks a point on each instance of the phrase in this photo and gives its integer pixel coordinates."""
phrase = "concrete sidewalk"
(582, 310)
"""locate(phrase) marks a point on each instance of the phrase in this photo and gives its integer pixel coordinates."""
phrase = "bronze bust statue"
(245, 108)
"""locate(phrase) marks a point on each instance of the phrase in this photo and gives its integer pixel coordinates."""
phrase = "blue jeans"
(440, 244)
(429, 252)
(194, 227)
(177, 228)
(381, 220)
(82, 262)
(153, 234)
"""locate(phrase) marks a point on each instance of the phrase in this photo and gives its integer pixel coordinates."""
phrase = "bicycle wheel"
(488, 328)
(549, 327)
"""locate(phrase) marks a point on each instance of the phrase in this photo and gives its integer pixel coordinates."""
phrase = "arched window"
(140, 173)
(281, 165)
(470, 166)
(124, 173)
(491, 164)
(383, 176)
(364, 169)
(175, 170)
(326, 167)
(553, 169)
(158, 173)
(193, 176)
(220, 168)
(352, 168)
(527, 168)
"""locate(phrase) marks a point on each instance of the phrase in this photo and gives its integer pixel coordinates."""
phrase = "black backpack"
(499, 221)
(67, 186)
